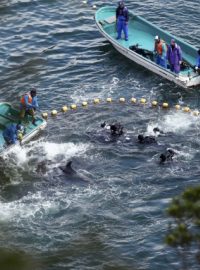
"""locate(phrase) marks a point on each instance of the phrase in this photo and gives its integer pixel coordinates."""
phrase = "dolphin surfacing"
(68, 169)
(72, 174)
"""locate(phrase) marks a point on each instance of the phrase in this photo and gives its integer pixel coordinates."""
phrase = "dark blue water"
(112, 216)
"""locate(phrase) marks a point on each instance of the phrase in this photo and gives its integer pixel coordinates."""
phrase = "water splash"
(176, 122)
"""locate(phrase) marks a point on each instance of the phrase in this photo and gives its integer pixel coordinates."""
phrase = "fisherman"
(160, 49)
(122, 20)
(157, 131)
(29, 105)
(12, 133)
(174, 56)
(167, 156)
(146, 139)
(116, 129)
(197, 67)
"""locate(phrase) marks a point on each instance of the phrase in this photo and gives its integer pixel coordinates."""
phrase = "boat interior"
(9, 115)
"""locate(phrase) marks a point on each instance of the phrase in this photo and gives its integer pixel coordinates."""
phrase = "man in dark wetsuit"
(167, 156)
(116, 129)
(146, 139)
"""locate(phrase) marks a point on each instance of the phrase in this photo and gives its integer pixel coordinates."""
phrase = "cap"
(156, 37)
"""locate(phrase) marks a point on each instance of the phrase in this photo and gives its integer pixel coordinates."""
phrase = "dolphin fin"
(69, 165)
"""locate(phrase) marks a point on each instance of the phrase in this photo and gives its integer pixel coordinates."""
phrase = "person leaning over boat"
(122, 20)
(29, 104)
(12, 133)
(160, 49)
(197, 66)
(174, 56)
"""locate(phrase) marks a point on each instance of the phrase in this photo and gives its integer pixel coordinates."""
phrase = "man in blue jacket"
(29, 104)
(197, 66)
(122, 20)
(12, 132)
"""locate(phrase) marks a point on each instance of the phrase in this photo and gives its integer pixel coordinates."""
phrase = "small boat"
(140, 45)
(10, 115)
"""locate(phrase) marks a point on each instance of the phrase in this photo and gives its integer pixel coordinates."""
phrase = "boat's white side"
(26, 138)
(32, 134)
(183, 81)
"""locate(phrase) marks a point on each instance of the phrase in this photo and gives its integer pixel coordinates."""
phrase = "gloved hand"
(20, 136)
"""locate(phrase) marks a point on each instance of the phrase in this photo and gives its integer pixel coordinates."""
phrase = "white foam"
(30, 206)
(115, 80)
(177, 122)
(46, 150)
(107, 89)
(20, 154)
(36, 206)
(68, 150)
(185, 154)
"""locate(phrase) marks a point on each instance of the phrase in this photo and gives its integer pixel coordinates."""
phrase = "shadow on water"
(16, 260)
(73, 254)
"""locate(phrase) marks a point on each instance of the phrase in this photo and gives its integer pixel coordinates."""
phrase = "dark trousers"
(25, 112)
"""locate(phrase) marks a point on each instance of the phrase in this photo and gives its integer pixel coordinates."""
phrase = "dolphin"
(72, 174)
(67, 169)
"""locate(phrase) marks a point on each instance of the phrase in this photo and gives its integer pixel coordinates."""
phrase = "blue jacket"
(122, 13)
(34, 103)
(10, 133)
(198, 62)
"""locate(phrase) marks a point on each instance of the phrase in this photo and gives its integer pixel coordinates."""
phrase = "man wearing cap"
(160, 49)
(122, 20)
(197, 66)
(174, 56)
(12, 133)
(29, 104)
